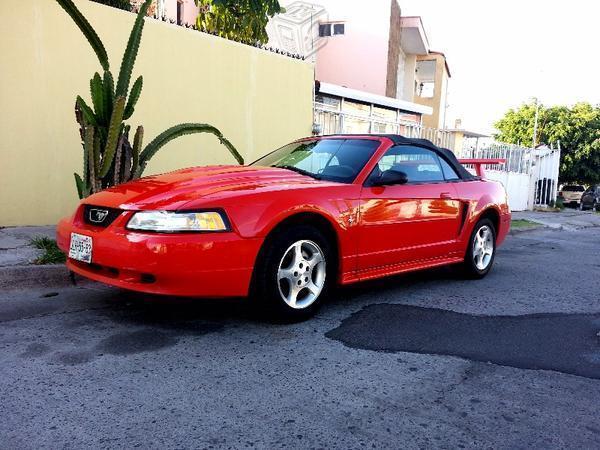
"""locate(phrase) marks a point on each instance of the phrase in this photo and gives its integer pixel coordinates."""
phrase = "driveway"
(419, 361)
(567, 219)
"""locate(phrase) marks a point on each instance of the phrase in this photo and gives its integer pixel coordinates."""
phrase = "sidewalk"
(17, 256)
(15, 248)
(568, 219)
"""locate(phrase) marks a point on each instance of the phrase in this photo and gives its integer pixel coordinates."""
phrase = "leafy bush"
(560, 204)
(240, 20)
(52, 254)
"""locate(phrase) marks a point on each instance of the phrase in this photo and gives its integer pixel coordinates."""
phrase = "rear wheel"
(293, 274)
(481, 251)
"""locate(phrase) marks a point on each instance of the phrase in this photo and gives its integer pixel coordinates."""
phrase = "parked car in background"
(290, 226)
(571, 194)
(591, 198)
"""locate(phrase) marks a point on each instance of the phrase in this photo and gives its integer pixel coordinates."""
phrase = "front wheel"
(481, 251)
(293, 273)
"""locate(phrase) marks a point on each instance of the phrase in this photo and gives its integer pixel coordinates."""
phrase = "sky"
(504, 53)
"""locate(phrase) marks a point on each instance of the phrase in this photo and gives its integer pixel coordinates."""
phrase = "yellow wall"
(438, 101)
(259, 100)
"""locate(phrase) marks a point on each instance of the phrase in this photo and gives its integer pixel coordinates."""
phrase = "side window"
(419, 164)
(449, 172)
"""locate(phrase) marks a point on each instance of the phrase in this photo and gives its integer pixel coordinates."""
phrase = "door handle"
(446, 195)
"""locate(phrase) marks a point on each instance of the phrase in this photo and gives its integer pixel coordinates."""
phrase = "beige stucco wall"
(258, 99)
(438, 101)
(408, 88)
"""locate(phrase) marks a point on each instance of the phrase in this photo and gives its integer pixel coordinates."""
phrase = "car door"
(415, 221)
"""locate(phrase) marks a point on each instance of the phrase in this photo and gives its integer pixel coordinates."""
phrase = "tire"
(293, 274)
(474, 265)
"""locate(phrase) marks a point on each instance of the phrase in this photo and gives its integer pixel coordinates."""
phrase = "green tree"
(240, 20)
(109, 158)
(577, 128)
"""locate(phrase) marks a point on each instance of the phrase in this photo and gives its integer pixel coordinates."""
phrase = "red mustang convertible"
(290, 226)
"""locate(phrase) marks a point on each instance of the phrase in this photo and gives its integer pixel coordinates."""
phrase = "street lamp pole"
(535, 123)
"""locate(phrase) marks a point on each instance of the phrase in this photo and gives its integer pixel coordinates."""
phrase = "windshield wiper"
(301, 171)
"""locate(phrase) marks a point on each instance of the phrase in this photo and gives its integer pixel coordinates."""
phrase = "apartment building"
(374, 69)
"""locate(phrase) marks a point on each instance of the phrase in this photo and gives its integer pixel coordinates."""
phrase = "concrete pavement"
(567, 219)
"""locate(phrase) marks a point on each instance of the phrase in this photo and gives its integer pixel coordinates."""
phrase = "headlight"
(173, 222)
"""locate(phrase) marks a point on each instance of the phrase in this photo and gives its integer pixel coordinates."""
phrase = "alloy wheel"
(301, 274)
(483, 247)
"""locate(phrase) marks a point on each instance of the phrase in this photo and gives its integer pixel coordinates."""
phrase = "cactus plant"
(108, 156)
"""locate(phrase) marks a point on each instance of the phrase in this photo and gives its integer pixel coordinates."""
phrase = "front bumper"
(182, 264)
(505, 222)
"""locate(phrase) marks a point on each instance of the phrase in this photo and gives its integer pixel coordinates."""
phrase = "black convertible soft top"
(397, 139)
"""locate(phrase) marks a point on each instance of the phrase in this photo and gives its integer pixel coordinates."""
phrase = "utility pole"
(535, 123)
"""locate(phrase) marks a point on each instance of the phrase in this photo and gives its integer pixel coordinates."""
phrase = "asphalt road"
(420, 361)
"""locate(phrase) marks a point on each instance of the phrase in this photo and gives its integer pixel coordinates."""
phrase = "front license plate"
(81, 248)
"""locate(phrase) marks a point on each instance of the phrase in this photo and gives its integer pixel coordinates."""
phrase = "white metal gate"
(544, 176)
(530, 176)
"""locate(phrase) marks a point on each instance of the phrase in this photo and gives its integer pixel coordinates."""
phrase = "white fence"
(517, 187)
(530, 176)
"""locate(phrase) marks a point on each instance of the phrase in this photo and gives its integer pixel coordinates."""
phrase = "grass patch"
(52, 254)
(523, 223)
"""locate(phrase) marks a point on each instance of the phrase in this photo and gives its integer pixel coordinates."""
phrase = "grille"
(100, 216)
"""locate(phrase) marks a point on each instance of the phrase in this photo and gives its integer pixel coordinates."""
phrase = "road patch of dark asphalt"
(568, 343)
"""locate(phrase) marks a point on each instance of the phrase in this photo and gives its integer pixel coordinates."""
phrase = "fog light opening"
(147, 278)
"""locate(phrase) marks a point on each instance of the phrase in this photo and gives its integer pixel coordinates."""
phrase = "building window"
(425, 78)
(329, 103)
(426, 89)
(332, 29)
(324, 30)
(338, 28)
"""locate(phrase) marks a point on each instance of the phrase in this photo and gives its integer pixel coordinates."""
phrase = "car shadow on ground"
(174, 312)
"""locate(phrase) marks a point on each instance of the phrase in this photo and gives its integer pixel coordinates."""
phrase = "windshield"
(339, 160)
(573, 188)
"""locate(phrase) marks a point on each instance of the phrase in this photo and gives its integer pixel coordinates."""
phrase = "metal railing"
(338, 122)
(518, 159)
(540, 166)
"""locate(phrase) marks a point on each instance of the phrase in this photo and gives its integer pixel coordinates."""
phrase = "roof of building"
(366, 97)
(413, 38)
(468, 134)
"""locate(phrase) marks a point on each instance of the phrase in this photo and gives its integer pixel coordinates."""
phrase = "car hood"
(180, 189)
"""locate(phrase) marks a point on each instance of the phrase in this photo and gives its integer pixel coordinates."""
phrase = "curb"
(515, 231)
(42, 276)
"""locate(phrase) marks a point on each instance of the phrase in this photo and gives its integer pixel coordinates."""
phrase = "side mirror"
(390, 177)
